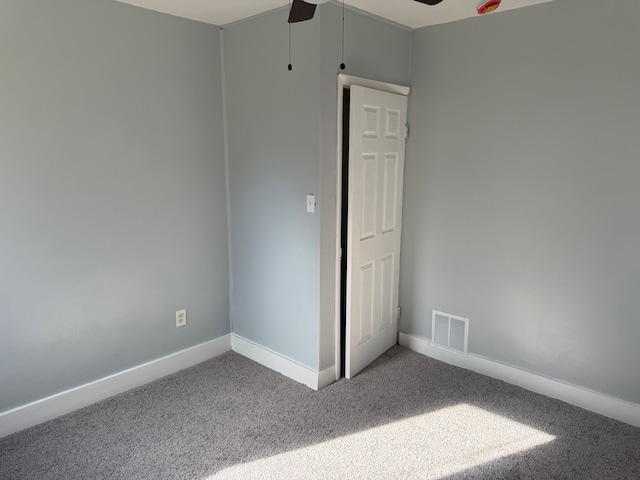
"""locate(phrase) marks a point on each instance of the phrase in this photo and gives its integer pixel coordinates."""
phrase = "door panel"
(376, 169)
(369, 191)
(389, 194)
(367, 296)
(386, 299)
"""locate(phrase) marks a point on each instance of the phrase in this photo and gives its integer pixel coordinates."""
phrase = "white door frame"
(346, 81)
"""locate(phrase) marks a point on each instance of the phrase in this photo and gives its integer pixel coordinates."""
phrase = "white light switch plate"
(311, 203)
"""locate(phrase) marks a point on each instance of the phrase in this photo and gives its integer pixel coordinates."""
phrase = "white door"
(376, 168)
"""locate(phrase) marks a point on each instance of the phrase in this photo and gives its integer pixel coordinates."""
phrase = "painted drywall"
(521, 198)
(112, 192)
(282, 146)
(374, 49)
(272, 117)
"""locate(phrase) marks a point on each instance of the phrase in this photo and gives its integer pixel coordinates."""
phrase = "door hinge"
(399, 312)
(406, 131)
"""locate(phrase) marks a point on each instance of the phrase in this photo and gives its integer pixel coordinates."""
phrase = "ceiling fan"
(302, 10)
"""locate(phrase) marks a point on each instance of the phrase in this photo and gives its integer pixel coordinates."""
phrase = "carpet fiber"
(406, 416)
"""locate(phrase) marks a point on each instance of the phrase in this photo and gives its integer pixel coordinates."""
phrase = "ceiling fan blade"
(301, 11)
(429, 2)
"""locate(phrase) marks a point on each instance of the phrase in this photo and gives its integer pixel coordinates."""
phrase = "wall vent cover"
(449, 331)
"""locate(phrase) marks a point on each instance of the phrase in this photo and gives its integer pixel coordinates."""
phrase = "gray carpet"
(406, 416)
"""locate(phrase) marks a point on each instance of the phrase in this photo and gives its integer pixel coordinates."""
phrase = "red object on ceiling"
(488, 7)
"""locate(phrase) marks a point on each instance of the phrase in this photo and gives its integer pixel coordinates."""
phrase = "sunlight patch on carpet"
(429, 446)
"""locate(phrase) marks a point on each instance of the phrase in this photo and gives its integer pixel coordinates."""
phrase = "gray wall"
(521, 189)
(272, 119)
(282, 145)
(112, 191)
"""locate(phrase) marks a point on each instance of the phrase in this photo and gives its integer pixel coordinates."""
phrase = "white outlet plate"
(181, 318)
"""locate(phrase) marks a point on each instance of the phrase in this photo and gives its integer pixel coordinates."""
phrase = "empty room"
(287, 239)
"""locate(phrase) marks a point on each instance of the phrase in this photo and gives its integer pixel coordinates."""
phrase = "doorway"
(343, 307)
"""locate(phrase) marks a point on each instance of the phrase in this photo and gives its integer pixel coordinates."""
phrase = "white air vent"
(449, 331)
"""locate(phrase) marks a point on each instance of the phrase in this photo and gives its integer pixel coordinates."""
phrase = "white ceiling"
(404, 12)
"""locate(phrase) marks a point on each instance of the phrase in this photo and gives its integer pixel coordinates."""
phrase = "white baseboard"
(326, 377)
(581, 397)
(65, 402)
(281, 364)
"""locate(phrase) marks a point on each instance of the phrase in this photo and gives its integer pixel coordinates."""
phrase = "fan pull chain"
(290, 67)
(342, 65)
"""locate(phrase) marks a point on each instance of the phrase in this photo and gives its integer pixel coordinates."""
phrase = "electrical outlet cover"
(181, 318)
